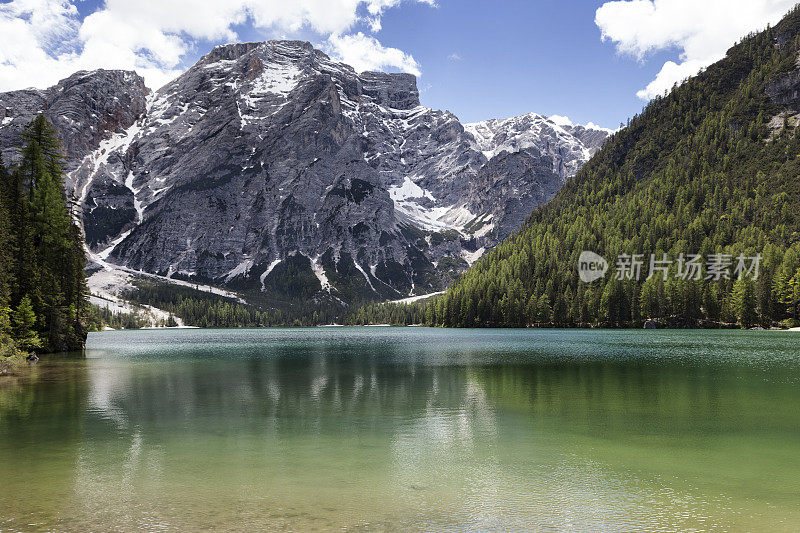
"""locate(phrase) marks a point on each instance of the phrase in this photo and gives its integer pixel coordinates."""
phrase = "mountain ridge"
(266, 156)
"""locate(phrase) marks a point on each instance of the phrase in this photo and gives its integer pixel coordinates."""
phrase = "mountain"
(569, 145)
(710, 169)
(273, 171)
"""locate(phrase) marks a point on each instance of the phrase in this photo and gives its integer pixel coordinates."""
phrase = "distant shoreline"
(161, 328)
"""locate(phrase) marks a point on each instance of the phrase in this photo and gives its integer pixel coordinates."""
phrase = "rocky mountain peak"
(281, 60)
(292, 50)
(101, 77)
(570, 146)
(397, 91)
(86, 108)
(272, 169)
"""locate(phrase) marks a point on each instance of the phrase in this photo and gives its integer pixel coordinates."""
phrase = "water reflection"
(295, 382)
(42, 420)
(428, 430)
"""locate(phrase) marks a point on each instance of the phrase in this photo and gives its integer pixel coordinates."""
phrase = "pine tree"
(6, 266)
(41, 258)
(651, 297)
(793, 296)
(744, 302)
(23, 321)
(7, 345)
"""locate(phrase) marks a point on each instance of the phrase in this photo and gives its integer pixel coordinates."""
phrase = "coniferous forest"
(710, 169)
(43, 294)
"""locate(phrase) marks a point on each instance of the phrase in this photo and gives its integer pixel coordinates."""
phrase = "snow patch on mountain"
(565, 122)
(407, 190)
(412, 299)
(433, 218)
(110, 248)
(417, 206)
(554, 135)
(319, 271)
(276, 79)
(137, 204)
(369, 282)
(239, 270)
(97, 160)
(266, 273)
(471, 257)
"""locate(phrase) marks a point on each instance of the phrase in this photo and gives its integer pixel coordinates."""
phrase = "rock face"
(271, 169)
(567, 145)
(85, 108)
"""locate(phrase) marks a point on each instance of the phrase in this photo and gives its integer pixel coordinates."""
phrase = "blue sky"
(545, 56)
(591, 60)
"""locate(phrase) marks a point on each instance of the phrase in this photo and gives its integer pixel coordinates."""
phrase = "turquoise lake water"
(407, 429)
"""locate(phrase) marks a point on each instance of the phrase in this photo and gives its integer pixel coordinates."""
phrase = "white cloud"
(561, 120)
(702, 30)
(454, 57)
(364, 52)
(672, 73)
(50, 21)
(377, 7)
(45, 40)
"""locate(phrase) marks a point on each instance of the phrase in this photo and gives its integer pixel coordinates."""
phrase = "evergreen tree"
(651, 297)
(6, 266)
(7, 345)
(42, 259)
(23, 321)
(792, 299)
(744, 302)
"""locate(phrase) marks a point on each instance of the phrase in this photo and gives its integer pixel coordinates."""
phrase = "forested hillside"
(206, 310)
(711, 169)
(43, 291)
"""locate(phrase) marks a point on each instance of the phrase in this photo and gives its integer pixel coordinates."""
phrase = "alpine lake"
(406, 429)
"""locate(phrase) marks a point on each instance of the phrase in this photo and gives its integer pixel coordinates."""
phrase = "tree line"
(206, 310)
(43, 293)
